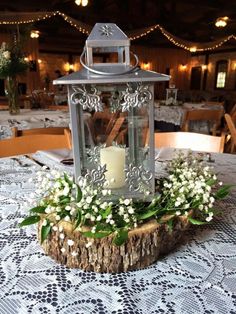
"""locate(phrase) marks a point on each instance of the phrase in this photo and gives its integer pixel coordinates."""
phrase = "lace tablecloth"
(29, 119)
(175, 114)
(198, 277)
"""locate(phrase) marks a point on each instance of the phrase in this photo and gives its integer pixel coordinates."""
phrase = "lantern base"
(143, 247)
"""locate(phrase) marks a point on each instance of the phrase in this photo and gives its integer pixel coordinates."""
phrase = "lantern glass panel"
(115, 136)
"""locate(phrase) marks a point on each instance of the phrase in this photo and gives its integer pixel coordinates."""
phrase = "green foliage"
(30, 221)
(189, 189)
(45, 230)
(120, 237)
(12, 61)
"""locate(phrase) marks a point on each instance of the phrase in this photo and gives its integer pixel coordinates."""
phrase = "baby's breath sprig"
(190, 189)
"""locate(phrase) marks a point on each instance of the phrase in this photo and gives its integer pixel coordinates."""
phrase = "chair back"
(203, 115)
(232, 130)
(32, 143)
(115, 131)
(214, 103)
(189, 140)
(52, 130)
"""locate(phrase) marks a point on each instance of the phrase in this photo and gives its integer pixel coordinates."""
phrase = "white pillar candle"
(114, 159)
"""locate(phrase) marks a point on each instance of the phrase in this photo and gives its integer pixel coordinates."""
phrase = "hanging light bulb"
(84, 3)
(34, 34)
(81, 2)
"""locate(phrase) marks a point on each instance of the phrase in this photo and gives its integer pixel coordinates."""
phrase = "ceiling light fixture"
(221, 21)
(81, 2)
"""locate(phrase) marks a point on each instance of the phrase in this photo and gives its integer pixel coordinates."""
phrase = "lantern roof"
(85, 77)
(107, 35)
(107, 38)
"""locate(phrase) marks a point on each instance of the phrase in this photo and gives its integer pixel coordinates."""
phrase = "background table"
(199, 276)
(29, 119)
(175, 115)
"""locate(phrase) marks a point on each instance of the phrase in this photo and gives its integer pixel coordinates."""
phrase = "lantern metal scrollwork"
(112, 111)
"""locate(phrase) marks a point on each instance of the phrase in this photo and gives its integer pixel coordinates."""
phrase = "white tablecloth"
(199, 276)
(29, 119)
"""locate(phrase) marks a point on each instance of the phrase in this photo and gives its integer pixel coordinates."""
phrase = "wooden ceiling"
(191, 20)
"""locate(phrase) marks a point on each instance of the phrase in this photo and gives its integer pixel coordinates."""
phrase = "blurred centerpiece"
(12, 63)
(115, 154)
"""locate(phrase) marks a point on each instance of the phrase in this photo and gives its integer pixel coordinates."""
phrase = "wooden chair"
(115, 131)
(213, 116)
(232, 130)
(51, 130)
(58, 107)
(189, 140)
(32, 143)
(214, 103)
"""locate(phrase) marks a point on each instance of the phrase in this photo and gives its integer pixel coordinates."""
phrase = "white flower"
(212, 199)
(178, 213)
(88, 216)
(66, 190)
(70, 242)
(6, 54)
(92, 218)
(63, 250)
(68, 208)
(209, 218)
(127, 201)
(130, 210)
(220, 183)
(89, 199)
(112, 222)
(62, 236)
(87, 245)
(104, 192)
(93, 230)
(99, 218)
(44, 222)
(54, 228)
(67, 218)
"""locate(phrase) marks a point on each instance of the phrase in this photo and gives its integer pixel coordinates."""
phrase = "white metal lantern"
(115, 154)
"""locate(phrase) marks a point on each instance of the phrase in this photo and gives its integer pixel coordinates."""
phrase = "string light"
(173, 39)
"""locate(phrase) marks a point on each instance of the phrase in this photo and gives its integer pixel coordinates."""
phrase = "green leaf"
(79, 194)
(196, 222)
(64, 200)
(68, 180)
(170, 224)
(223, 191)
(78, 219)
(147, 214)
(96, 235)
(45, 230)
(211, 182)
(120, 237)
(106, 212)
(30, 221)
(38, 209)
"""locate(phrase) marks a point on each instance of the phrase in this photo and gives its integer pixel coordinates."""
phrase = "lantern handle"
(109, 73)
